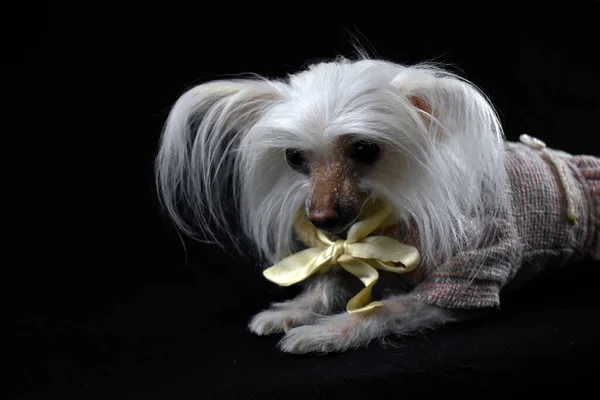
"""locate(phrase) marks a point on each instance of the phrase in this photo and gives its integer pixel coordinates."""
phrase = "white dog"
(481, 211)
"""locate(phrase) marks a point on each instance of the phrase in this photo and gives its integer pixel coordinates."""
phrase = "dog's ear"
(417, 88)
(231, 104)
(447, 104)
(209, 117)
(193, 164)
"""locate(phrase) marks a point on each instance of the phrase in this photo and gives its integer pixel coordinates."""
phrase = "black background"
(108, 300)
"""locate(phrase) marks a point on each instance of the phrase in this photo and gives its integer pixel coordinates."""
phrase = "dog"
(486, 214)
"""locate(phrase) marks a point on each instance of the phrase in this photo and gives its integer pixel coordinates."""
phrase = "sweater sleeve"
(474, 278)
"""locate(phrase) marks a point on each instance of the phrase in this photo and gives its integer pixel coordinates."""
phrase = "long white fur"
(226, 139)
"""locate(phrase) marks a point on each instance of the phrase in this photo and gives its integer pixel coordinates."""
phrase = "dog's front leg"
(407, 314)
(322, 295)
(400, 315)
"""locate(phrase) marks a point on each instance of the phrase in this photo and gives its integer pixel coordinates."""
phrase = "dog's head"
(326, 140)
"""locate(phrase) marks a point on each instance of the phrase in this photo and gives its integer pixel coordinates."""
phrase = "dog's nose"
(324, 220)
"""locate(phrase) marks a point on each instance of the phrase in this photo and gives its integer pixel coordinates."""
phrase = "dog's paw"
(337, 333)
(276, 321)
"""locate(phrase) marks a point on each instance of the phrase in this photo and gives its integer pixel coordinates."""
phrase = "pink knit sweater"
(534, 235)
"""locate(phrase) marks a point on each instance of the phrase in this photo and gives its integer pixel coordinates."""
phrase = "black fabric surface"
(167, 343)
(118, 308)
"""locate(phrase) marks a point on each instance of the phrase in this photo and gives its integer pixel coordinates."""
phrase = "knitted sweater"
(534, 235)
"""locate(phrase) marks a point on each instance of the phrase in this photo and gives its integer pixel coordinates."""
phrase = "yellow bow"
(359, 255)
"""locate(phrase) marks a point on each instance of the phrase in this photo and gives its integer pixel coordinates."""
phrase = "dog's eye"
(294, 159)
(365, 152)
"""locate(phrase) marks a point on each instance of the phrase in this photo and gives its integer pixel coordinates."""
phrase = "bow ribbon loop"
(359, 254)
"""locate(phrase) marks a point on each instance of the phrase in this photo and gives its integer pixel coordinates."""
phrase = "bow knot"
(359, 255)
(338, 249)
